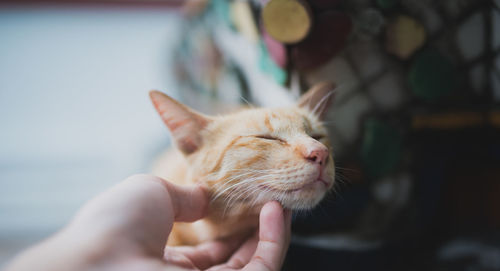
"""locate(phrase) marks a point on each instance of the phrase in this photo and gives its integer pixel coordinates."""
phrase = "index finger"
(274, 238)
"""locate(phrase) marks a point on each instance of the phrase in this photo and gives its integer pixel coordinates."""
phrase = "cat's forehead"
(274, 120)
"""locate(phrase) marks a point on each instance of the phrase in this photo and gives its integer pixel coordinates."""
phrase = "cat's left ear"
(184, 123)
(318, 98)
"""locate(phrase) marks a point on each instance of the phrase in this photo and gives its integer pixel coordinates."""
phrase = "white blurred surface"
(75, 116)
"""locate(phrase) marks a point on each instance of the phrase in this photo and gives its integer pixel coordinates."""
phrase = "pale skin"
(126, 228)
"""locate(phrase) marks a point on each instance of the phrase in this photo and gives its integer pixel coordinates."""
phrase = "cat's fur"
(246, 159)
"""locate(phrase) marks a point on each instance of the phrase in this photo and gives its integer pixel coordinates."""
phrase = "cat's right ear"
(184, 124)
(318, 98)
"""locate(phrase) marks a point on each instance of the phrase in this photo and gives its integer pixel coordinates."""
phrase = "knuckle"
(265, 265)
(236, 263)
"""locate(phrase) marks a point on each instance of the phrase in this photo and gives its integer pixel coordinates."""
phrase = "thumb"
(189, 203)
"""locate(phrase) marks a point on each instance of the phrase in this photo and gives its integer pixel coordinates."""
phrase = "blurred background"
(75, 114)
(415, 124)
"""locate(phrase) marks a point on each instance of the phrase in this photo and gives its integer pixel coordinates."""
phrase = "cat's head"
(259, 154)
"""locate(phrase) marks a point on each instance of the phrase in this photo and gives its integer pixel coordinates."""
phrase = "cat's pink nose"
(317, 154)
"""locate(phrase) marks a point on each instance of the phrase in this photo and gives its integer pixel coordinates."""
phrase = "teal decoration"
(432, 75)
(387, 4)
(268, 66)
(222, 11)
(381, 148)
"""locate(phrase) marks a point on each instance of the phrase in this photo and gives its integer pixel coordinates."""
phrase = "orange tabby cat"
(246, 159)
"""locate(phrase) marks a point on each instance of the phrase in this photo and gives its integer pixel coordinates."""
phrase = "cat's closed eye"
(269, 137)
(317, 137)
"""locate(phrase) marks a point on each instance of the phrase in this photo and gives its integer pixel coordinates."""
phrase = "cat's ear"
(184, 123)
(318, 98)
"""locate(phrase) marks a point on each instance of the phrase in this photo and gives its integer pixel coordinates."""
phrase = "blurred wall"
(75, 116)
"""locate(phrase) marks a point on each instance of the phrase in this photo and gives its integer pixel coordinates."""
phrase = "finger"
(243, 255)
(143, 264)
(273, 239)
(206, 254)
(177, 258)
(288, 231)
(189, 203)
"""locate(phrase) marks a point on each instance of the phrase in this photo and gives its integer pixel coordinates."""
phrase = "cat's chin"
(305, 198)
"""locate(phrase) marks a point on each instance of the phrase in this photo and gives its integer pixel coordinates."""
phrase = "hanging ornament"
(241, 15)
(404, 36)
(276, 50)
(287, 21)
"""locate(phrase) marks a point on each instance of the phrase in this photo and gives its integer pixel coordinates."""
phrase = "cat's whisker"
(236, 194)
(247, 169)
(246, 101)
(255, 198)
(237, 183)
(342, 179)
(322, 103)
(259, 170)
(241, 195)
(326, 123)
(233, 197)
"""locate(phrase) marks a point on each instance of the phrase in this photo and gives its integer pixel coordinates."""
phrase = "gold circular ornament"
(405, 36)
(287, 21)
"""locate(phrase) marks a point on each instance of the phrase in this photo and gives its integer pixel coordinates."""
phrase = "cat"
(245, 159)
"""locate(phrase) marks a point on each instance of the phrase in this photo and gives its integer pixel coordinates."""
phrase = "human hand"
(126, 228)
(263, 250)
